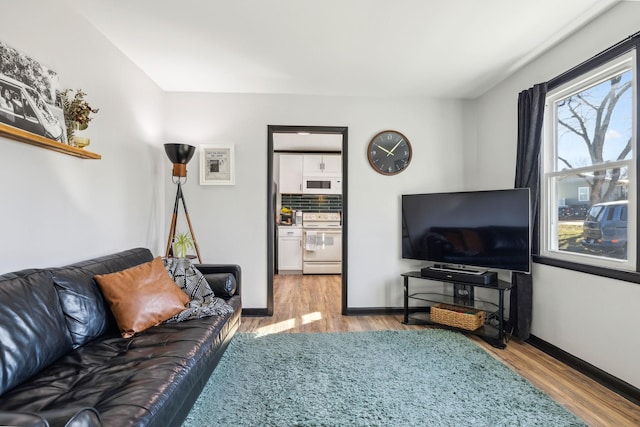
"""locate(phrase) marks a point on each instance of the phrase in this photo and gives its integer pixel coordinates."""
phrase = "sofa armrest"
(213, 272)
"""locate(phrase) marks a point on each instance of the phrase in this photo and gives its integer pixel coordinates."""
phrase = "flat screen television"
(482, 229)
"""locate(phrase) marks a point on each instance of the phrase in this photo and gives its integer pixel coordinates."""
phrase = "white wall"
(230, 222)
(590, 317)
(56, 208)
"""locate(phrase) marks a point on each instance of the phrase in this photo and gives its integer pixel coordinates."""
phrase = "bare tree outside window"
(594, 127)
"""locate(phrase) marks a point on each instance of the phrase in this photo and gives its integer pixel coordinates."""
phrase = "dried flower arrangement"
(76, 111)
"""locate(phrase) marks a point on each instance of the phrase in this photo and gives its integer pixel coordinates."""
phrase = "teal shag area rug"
(430, 377)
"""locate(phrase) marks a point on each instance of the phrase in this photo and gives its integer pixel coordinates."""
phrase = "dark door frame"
(271, 220)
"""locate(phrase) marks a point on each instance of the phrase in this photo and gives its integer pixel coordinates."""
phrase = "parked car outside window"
(605, 229)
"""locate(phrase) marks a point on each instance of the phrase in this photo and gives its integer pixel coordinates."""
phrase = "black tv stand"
(462, 295)
(459, 275)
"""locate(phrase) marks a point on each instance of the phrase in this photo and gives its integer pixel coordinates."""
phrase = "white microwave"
(321, 185)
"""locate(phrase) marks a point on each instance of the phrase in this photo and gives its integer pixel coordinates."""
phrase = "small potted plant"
(77, 113)
(182, 242)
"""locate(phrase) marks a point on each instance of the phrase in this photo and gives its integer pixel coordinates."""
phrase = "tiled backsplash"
(313, 202)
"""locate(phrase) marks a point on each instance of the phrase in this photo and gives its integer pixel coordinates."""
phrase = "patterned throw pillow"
(188, 278)
(203, 301)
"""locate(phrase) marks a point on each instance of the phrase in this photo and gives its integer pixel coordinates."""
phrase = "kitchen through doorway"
(314, 179)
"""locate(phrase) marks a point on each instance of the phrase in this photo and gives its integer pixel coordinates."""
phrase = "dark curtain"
(530, 116)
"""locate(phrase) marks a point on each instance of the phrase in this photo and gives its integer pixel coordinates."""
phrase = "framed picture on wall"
(30, 96)
(217, 165)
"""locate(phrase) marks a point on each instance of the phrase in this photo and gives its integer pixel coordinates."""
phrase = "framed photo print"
(217, 165)
(30, 96)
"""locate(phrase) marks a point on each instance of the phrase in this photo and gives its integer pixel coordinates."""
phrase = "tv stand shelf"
(493, 329)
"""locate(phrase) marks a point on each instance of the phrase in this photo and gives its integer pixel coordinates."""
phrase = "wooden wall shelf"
(39, 141)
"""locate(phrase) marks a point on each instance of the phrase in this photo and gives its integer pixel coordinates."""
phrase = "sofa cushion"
(22, 419)
(33, 333)
(67, 417)
(109, 264)
(141, 381)
(115, 262)
(142, 296)
(222, 284)
(82, 304)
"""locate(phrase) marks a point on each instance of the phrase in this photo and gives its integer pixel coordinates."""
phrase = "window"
(28, 111)
(588, 205)
(583, 194)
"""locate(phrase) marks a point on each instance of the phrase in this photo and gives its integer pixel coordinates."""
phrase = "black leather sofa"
(64, 362)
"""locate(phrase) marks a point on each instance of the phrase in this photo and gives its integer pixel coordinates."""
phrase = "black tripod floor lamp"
(180, 154)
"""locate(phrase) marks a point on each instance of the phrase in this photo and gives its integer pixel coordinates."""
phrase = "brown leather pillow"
(142, 296)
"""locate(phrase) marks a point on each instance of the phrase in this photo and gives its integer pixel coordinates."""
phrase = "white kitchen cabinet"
(289, 250)
(290, 174)
(312, 164)
(322, 164)
(332, 164)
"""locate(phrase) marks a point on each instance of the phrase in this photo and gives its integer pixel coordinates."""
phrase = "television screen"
(486, 229)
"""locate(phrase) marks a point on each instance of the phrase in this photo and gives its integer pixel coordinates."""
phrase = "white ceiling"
(435, 48)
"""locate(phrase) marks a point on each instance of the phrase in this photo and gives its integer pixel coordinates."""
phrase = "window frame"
(583, 263)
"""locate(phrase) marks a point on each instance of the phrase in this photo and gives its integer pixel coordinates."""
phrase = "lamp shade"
(179, 154)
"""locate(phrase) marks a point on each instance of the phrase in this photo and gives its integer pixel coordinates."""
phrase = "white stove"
(321, 220)
(322, 242)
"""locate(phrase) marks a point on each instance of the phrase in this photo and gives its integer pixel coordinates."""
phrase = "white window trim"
(548, 200)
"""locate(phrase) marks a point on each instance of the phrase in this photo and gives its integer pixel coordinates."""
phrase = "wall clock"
(389, 152)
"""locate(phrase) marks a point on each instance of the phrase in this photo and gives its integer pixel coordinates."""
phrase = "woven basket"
(456, 316)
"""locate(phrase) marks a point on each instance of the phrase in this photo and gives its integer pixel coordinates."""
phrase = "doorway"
(271, 203)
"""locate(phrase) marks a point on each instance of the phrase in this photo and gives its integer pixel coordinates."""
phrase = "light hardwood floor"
(313, 304)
